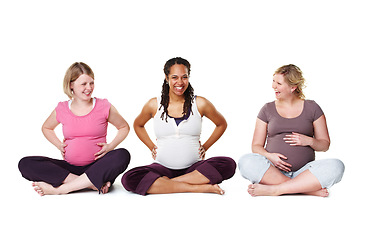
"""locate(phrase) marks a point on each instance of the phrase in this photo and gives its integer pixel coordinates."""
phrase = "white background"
(234, 47)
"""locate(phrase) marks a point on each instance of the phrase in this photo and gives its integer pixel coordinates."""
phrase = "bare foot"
(261, 190)
(271, 190)
(320, 193)
(215, 189)
(43, 188)
(105, 188)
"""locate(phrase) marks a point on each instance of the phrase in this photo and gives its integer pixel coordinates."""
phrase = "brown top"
(278, 127)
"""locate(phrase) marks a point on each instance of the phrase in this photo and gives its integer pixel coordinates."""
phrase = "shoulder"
(61, 106)
(61, 111)
(152, 103)
(202, 102)
(265, 111)
(314, 108)
(268, 106)
(205, 107)
(103, 101)
(150, 107)
(311, 103)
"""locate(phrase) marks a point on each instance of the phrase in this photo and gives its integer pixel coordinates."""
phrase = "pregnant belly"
(80, 151)
(297, 156)
(177, 153)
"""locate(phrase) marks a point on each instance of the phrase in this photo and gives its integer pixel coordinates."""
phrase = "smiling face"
(83, 87)
(282, 89)
(178, 79)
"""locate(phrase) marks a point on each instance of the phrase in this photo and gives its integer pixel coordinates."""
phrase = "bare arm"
(321, 140)
(259, 138)
(123, 129)
(207, 109)
(48, 131)
(148, 111)
(258, 143)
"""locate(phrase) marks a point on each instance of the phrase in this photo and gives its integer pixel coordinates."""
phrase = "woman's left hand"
(297, 139)
(201, 151)
(104, 150)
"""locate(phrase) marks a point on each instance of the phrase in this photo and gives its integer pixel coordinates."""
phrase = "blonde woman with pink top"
(89, 162)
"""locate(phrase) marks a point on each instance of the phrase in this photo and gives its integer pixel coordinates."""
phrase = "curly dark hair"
(189, 93)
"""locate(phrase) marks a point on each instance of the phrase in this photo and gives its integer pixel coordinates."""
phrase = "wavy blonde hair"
(294, 77)
(72, 73)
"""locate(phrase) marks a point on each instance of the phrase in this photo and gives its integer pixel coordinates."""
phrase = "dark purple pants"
(54, 172)
(140, 179)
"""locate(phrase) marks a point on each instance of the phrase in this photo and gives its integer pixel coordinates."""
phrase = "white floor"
(235, 215)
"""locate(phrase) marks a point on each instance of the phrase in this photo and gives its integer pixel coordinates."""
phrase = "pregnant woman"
(88, 160)
(177, 117)
(293, 129)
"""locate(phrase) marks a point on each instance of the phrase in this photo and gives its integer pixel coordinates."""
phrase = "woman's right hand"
(276, 159)
(154, 152)
(61, 147)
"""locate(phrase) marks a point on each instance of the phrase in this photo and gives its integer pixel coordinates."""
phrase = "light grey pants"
(253, 166)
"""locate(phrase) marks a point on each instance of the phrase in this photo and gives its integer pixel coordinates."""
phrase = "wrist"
(311, 142)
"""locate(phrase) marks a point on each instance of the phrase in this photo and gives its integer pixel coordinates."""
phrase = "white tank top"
(177, 145)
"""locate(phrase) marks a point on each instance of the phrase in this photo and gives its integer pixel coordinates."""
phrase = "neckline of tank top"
(180, 119)
(185, 116)
(70, 101)
(82, 116)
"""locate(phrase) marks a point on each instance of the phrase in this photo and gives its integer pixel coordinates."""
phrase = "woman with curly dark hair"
(177, 116)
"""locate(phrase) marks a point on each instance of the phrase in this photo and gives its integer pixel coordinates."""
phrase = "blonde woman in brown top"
(293, 129)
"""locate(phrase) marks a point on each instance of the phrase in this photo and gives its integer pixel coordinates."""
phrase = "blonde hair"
(72, 73)
(294, 77)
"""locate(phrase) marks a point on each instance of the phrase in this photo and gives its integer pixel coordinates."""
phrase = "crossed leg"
(71, 183)
(190, 182)
(274, 183)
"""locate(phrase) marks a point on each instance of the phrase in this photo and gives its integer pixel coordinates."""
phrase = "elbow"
(327, 146)
(136, 126)
(225, 125)
(43, 129)
(254, 148)
(324, 146)
(128, 128)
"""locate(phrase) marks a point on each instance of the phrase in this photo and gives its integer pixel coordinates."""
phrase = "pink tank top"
(82, 133)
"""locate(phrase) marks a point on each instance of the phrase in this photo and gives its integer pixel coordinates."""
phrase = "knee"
(230, 166)
(336, 168)
(253, 166)
(247, 162)
(123, 154)
(130, 180)
(121, 158)
(328, 171)
(126, 181)
(226, 166)
(24, 164)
